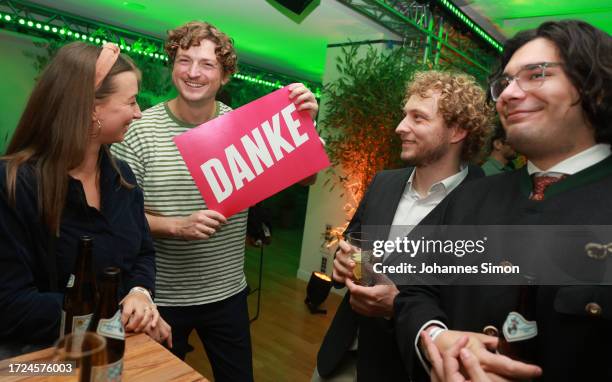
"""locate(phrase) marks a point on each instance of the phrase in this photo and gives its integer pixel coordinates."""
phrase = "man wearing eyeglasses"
(553, 93)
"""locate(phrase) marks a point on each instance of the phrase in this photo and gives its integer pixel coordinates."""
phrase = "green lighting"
(474, 27)
(142, 46)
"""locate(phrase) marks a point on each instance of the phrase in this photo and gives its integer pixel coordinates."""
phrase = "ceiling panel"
(511, 16)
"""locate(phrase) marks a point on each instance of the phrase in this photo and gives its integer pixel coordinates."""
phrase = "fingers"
(296, 89)
(472, 366)
(433, 354)
(126, 312)
(155, 318)
(169, 338)
(451, 361)
(453, 351)
(345, 247)
(137, 313)
(215, 216)
(503, 365)
(343, 268)
(304, 99)
(135, 319)
(149, 312)
(201, 225)
(490, 342)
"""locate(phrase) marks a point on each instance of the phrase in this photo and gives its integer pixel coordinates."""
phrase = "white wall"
(324, 206)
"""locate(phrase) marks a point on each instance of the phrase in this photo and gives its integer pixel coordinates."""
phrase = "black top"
(29, 312)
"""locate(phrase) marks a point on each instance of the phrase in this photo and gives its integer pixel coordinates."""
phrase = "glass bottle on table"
(81, 294)
(106, 322)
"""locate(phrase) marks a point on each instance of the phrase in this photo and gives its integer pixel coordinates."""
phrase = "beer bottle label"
(111, 327)
(517, 328)
(70, 282)
(81, 323)
(107, 373)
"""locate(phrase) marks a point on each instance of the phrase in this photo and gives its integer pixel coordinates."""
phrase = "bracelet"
(435, 332)
(142, 290)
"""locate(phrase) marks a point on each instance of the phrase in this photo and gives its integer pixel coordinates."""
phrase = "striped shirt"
(188, 272)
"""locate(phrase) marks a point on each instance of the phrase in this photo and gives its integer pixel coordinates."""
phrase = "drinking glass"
(86, 350)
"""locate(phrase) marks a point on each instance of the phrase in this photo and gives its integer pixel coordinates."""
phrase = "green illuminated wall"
(17, 80)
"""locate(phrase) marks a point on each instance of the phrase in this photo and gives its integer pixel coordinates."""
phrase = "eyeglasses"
(530, 77)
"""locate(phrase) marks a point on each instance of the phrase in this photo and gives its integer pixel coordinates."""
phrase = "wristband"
(435, 332)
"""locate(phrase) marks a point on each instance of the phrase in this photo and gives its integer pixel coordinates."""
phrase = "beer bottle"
(81, 293)
(107, 323)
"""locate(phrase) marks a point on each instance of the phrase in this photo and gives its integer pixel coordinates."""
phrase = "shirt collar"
(575, 163)
(446, 185)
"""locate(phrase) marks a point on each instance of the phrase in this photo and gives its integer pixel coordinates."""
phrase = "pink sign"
(251, 153)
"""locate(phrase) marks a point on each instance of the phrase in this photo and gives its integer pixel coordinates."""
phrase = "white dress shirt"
(413, 207)
(575, 163)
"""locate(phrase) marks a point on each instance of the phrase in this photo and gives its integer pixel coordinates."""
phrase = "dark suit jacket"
(378, 357)
(573, 344)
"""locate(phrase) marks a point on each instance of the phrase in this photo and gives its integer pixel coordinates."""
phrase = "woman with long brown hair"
(59, 182)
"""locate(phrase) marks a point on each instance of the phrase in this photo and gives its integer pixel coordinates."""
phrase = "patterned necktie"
(541, 183)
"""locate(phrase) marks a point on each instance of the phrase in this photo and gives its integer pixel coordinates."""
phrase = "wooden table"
(144, 360)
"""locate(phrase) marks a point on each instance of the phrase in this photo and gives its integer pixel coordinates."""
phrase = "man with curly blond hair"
(446, 122)
(199, 252)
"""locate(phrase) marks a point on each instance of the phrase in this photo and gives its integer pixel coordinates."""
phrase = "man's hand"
(447, 367)
(303, 99)
(138, 312)
(200, 225)
(481, 346)
(343, 265)
(375, 301)
(160, 332)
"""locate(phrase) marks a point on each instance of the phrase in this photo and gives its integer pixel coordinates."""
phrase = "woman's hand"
(161, 332)
(138, 312)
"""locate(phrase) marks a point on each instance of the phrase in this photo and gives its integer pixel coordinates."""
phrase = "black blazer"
(573, 342)
(378, 357)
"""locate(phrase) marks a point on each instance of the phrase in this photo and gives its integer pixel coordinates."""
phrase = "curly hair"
(462, 103)
(192, 33)
(585, 52)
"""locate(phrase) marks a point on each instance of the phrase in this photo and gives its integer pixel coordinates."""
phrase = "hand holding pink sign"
(245, 156)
